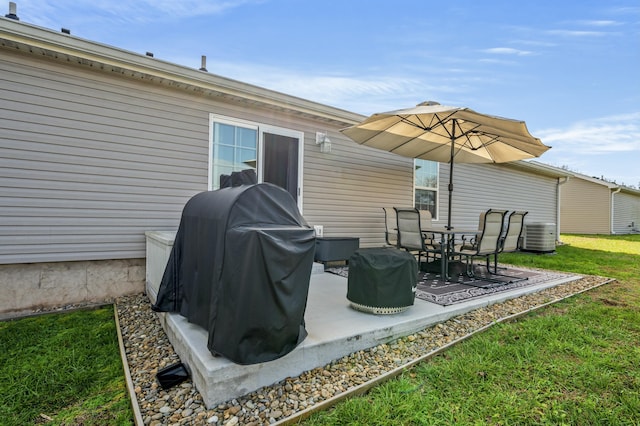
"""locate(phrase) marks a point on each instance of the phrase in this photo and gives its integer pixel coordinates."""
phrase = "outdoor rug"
(461, 288)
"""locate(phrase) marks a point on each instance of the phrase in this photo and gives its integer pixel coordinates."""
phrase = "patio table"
(447, 245)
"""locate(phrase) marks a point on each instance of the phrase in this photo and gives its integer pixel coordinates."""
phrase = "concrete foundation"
(30, 286)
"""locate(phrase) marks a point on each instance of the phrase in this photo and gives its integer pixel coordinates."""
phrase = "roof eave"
(35, 39)
(539, 168)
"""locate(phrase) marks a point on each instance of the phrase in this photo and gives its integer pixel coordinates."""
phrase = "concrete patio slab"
(335, 330)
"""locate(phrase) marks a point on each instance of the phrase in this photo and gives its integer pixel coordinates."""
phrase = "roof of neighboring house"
(611, 185)
(32, 39)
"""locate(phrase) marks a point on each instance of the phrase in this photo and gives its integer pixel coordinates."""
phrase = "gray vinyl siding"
(626, 211)
(87, 165)
(478, 187)
(91, 160)
(585, 207)
(346, 189)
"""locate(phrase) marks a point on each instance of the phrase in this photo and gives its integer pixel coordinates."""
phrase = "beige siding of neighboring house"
(91, 161)
(585, 207)
(626, 213)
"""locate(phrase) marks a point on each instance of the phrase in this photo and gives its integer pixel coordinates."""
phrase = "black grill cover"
(240, 267)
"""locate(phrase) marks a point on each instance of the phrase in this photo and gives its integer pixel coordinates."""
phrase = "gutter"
(612, 229)
(561, 181)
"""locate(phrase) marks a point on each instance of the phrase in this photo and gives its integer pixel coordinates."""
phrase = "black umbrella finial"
(428, 103)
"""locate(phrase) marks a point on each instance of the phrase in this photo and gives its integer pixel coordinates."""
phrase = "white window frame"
(426, 188)
(214, 118)
(261, 129)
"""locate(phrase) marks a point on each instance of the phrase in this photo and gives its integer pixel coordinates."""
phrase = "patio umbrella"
(446, 134)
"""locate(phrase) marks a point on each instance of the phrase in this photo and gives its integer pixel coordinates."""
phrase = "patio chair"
(468, 241)
(487, 243)
(390, 226)
(410, 236)
(426, 223)
(511, 240)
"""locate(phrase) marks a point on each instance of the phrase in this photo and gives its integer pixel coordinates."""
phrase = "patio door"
(275, 153)
(281, 160)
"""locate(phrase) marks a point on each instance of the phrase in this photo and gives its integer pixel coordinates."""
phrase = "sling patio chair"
(487, 243)
(511, 241)
(426, 222)
(390, 224)
(410, 235)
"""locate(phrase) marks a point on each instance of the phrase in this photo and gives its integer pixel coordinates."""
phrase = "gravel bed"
(148, 350)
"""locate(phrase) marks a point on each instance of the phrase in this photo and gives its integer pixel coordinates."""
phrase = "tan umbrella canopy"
(435, 132)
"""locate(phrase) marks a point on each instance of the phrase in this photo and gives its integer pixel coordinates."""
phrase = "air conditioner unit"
(539, 237)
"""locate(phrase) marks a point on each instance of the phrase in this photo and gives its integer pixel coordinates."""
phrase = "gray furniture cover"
(240, 267)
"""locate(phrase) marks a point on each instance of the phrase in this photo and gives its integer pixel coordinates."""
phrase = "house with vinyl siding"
(99, 145)
(594, 206)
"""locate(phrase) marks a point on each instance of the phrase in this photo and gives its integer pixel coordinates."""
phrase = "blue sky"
(569, 68)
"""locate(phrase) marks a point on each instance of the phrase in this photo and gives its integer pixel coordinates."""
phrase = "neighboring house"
(99, 145)
(594, 206)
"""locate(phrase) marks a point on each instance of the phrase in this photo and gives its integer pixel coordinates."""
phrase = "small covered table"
(382, 280)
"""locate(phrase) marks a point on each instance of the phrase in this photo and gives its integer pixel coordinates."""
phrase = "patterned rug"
(462, 288)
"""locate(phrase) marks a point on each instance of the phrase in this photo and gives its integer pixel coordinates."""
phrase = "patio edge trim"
(364, 387)
(137, 414)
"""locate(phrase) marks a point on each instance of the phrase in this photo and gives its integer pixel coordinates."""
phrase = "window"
(234, 148)
(274, 153)
(426, 186)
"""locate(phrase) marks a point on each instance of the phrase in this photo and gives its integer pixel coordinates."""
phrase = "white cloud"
(600, 23)
(577, 33)
(507, 51)
(363, 94)
(609, 134)
(496, 61)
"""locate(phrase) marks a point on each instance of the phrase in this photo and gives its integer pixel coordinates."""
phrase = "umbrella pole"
(451, 179)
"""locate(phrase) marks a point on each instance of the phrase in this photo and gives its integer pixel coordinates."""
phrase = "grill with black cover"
(240, 267)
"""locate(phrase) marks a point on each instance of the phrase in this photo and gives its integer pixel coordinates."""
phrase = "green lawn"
(63, 366)
(576, 362)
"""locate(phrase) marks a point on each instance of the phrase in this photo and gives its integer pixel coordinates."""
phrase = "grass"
(63, 366)
(573, 363)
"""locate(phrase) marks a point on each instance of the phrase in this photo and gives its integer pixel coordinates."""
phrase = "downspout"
(561, 181)
(612, 229)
